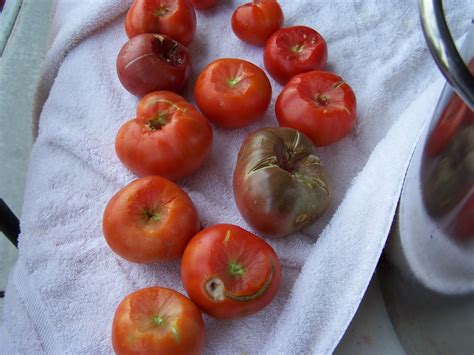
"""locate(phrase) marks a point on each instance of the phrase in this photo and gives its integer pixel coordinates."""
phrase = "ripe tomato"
(169, 137)
(203, 4)
(151, 105)
(150, 220)
(319, 104)
(150, 62)
(233, 92)
(173, 18)
(279, 182)
(449, 123)
(256, 21)
(157, 320)
(229, 272)
(294, 50)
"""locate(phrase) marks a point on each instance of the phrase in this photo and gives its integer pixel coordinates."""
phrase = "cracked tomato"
(280, 185)
(229, 272)
(173, 18)
(150, 62)
(169, 137)
(319, 104)
(294, 50)
(150, 220)
(233, 92)
(256, 21)
(157, 320)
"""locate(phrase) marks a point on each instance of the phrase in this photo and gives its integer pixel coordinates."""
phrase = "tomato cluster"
(279, 183)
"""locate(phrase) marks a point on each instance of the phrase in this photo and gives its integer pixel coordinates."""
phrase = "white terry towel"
(67, 283)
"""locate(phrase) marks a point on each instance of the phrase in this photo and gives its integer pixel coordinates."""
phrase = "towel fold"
(67, 283)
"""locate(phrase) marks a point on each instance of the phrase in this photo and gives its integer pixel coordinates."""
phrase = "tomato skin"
(294, 50)
(233, 92)
(157, 320)
(319, 104)
(256, 21)
(280, 185)
(168, 138)
(172, 18)
(151, 104)
(206, 267)
(204, 4)
(150, 220)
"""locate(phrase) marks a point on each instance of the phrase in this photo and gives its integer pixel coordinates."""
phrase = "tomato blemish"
(227, 237)
(215, 289)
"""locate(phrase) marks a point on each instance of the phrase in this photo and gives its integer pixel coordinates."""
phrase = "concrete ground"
(23, 41)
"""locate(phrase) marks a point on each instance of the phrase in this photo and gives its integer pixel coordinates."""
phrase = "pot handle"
(444, 51)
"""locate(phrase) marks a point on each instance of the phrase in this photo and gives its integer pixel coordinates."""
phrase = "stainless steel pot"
(447, 167)
(436, 215)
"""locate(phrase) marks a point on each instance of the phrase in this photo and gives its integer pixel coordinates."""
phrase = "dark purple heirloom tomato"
(280, 185)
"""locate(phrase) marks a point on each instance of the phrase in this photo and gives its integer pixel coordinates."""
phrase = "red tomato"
(294, 50)
(233, 92)
(157, 320)
(256, 21)
(168, 138)
(151, 105)
(150, 62)
(150, 220)
(319, 104)
(229, 272)
(203, 4)
(450, 121)
(173, 18)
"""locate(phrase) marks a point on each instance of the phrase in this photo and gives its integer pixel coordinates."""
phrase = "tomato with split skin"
(157, 320)
(279, 183)
(229, 272)
(173, 18)
(150, 220)
(294, 50)
(319, 104)
(233, 92)
(169, 137)
(256, 21)
(150, 62)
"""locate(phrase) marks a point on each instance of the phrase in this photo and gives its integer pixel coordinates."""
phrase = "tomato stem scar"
(321, 100)
(153, 216)
(235, 269)
(232, 83)
(161, 11)
(158, 123)
(297, 48)
(158, 320)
